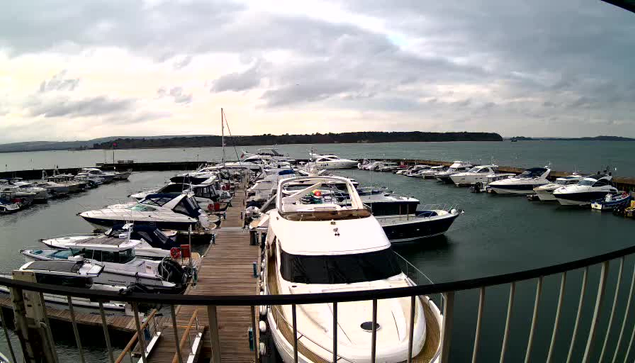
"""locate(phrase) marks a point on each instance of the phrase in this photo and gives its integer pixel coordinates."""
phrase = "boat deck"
(226, 269)
(426, 355)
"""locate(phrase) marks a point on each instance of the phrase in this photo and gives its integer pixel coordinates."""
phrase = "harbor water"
(584, 156)
(496, 235)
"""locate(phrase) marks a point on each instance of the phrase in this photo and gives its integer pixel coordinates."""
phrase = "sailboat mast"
(222, 127)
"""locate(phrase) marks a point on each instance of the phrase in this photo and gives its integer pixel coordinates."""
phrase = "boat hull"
(520, 189)
(100, 223)
(579, 199)
(545, 195)
(401, 229)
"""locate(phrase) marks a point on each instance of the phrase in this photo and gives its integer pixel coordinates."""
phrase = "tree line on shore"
(317, 138)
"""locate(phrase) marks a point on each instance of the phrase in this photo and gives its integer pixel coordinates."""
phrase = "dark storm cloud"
(59, 82)
(88, 107)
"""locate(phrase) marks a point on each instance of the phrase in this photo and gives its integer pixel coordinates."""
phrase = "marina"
(229, 258)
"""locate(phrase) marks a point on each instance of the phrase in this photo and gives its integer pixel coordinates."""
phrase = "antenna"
(222, 128)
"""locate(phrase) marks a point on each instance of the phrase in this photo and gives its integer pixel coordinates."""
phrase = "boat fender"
(263, 310)
(263, 349)
(262, 326)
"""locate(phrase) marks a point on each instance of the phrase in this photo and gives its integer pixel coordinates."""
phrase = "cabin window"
(601, 183)
(338, 269)
(68, 281)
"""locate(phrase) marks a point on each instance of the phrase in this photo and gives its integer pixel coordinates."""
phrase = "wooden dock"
(226, 270)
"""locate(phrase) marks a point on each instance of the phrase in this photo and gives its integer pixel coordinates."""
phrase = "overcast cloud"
(535, 68)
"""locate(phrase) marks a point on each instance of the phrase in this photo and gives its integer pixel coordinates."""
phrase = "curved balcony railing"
(618, 319)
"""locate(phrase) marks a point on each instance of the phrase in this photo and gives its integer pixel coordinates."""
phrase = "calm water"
(585, 156)
(496, 235)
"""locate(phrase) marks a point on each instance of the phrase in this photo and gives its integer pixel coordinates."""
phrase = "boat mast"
(222, 127)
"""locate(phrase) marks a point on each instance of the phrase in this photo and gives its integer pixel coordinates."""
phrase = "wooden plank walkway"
(226, 270)
(116, 321)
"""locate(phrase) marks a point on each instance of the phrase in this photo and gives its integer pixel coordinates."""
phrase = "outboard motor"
(171, 271)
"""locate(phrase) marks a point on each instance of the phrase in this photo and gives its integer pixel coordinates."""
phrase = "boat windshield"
(586, 182)
(124, 256)
(339, 269)
(143, 208)
(532, 173)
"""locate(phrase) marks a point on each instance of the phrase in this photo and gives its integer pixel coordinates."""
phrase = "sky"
(76, 70)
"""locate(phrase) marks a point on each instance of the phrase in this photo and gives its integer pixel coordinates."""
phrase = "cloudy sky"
(72, 70)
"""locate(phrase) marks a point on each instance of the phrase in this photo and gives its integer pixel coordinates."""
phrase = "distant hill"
(594, 138)
(268, 139)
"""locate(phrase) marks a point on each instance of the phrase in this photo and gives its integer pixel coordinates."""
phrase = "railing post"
(256, 330)
(373, 342)
(615, 297)
(479, 316)
(534, 320)
(446, 334)
(78, 339)
(6, 334)
(176, 334)
(411, 328)
(508, 320)
(626, 313)
(596, 311)
(135, 310)
(213, 333)
(556, 322)
(335, 331)
(585, 277)
(104, 325)
(295, 333)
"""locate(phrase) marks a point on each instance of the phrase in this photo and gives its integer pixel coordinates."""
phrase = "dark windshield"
(339, 269)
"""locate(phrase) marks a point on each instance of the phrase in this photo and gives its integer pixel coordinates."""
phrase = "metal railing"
(595, 340)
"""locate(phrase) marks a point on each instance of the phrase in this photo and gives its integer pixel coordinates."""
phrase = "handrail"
(248, 300)
(135, 337)
(185, 335)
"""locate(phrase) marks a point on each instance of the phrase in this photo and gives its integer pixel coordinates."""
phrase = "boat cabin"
(63, 273)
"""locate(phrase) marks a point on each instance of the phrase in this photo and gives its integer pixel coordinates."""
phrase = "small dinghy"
(612, 201)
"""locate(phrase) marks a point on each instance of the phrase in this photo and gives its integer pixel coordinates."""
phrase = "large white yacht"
(474, 175)
(165, 211)
(545, 192)
(586, 191)
(432, 171)
(456, 167)
(523, 183)
(315, 245)
(331, 161)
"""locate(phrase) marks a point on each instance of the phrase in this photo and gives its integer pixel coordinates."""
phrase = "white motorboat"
(318, 245)
(523, 183)
(55, 190)
(333, 162)
(386, 166)
(587, 190)
(264, 188)
(14, 194)
(39, 194)
(151, 242)
(122, 175)
(456, 167)
(121, 266)
(78, 274)
(208, 195)
(474, 175)
(432, 171)
(165, 211)
(545, 192)
(95, 172)
(415, 171)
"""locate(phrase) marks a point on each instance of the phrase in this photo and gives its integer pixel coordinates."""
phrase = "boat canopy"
(533, 173)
